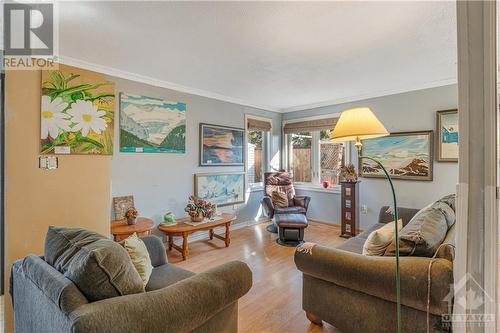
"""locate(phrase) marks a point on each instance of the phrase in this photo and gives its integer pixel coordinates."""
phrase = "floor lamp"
(355, 125)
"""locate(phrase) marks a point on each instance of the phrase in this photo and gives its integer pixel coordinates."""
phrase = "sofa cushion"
(166, 275)
(99, 267)
(379, 240)
(290, 210)
(280, 199)
(139, 255)
(423, 235)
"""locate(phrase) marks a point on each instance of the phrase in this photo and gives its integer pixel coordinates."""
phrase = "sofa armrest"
(181, 307)
(376, 276)
(156, 249)
(268, 206)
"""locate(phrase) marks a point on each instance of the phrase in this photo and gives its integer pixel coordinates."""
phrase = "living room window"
(258, 148)
(310, 156)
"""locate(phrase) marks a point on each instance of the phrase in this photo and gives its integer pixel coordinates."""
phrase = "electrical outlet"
(364, 209)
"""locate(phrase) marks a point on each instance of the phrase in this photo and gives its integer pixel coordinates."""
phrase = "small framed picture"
(348, 228)
(348, 216)
(347, 191)
(348, 204)
(447, 131)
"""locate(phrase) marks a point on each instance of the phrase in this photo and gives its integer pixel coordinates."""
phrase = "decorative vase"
(131, 220)
(197, 218)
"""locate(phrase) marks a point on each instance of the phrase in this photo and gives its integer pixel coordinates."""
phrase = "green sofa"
(175, 300)
(357, 293)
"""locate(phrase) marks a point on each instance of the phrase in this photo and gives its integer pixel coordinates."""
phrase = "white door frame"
(477, 211)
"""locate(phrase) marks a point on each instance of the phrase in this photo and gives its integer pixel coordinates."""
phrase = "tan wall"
(76, 194)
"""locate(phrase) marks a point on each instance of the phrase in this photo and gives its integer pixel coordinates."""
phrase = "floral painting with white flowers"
(77, 113)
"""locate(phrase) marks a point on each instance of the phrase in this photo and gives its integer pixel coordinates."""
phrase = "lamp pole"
(358, 145)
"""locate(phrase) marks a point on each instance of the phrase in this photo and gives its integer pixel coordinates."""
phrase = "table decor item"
(131, 215)
(348, 173)
(199, 209)
(169, 217)
(326, 184)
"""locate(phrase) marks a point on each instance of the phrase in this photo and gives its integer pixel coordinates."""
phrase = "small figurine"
(169, 217)
(348, 173)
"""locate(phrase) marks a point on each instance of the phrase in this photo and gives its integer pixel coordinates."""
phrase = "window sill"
(317, 188)
(255, 188)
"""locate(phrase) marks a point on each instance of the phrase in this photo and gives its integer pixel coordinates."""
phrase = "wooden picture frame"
(447, 133)
(212, 186)
(121, 205)
(412, 152)
(221, 145)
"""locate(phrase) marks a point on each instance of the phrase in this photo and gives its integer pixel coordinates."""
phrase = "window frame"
(266, 152)
(315, 184)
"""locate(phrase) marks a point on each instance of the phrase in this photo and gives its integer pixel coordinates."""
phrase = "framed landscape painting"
(221, 145)
(447, 131)
(151, 125)
(77, 112)
(405, 155)
(222, 189)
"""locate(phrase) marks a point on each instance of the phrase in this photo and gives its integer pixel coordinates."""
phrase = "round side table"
(121, 230)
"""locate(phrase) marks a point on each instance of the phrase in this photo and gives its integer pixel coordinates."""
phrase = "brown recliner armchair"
(282, 182)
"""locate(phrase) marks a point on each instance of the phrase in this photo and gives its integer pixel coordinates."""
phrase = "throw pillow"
(300, 201)
(140, 256)
(279, 199)
(378, 241)
(98, 266)
(426, 230)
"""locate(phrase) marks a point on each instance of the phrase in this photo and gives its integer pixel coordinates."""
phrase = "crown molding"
(157, 82)
(360, 97)
(204, 93)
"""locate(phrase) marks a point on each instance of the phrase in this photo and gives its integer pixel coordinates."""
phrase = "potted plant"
(199, 209)
(131, 215)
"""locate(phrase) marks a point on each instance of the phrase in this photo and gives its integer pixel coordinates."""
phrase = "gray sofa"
(175, 300)
(357, 293)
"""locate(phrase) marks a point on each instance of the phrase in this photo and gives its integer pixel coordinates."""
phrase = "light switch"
(48, 162)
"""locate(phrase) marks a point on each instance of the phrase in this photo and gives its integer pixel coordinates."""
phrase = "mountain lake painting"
(221, 145)
(151, 125)
(221, 189)
(405, 155)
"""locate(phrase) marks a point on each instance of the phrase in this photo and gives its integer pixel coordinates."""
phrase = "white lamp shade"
(357, 124)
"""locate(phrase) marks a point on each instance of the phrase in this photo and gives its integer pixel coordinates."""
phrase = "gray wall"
(161, 182)
(409, 111)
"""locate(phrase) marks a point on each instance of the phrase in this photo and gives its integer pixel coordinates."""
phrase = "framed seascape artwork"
(221, 189)
(151, 125)
(447, 132)
(405, 155)
(221, 145)
(77, 112)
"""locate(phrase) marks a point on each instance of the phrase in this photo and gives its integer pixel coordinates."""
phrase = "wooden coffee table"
(181, 229)
(121, 230)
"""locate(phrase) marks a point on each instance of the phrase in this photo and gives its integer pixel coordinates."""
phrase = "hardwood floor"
(274, 304)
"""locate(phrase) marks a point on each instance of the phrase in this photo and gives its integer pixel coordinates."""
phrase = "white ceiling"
(280, 56)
